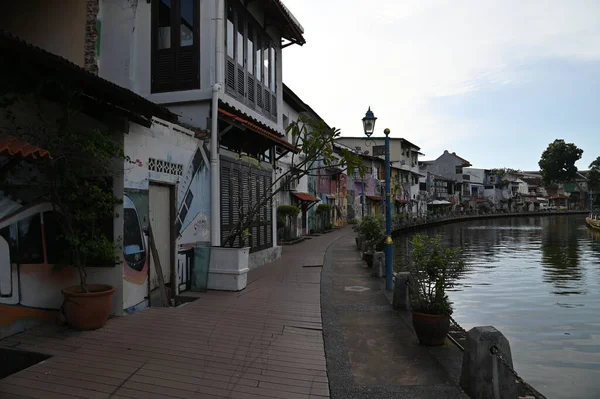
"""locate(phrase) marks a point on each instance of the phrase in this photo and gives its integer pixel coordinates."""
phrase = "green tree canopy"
(501, 172)
(594, 175)
(557, 163)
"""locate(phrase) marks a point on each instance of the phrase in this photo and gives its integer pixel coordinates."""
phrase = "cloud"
(399, 56)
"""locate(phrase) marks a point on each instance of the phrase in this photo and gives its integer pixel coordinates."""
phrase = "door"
(160, 218)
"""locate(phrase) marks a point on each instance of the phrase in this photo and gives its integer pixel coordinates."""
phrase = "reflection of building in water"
(561, 255)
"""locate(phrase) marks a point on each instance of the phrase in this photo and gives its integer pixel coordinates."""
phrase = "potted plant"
(80, 175)
(371, 229)
(434, 269)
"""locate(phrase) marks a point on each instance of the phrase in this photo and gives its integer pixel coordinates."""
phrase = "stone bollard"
(358, 241)
(401, 298)
(482, 374)
(379, 264)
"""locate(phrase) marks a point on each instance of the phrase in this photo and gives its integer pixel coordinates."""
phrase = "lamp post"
(369, 128)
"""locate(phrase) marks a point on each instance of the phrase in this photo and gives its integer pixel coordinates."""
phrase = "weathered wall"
(174, 149)
(57, 26)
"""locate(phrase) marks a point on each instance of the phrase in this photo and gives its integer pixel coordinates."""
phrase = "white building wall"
(177, 148)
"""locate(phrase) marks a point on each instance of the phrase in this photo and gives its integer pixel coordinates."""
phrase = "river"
(537, 280)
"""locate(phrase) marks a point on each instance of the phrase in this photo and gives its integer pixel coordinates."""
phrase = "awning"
(439, 202)
(306, 197)
(36, 66)
(285, 20)
(330, 196)
(402, 201)
(375, 197)
(271, 136)
(15, 147)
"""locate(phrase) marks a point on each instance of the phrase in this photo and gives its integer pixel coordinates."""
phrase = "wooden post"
(161, 279)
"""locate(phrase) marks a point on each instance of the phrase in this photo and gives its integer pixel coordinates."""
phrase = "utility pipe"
(215, 175)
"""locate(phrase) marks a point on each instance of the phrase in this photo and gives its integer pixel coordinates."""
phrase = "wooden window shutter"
(267, 100)
(175, 60)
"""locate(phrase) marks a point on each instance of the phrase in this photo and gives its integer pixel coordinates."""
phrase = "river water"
(537, 280)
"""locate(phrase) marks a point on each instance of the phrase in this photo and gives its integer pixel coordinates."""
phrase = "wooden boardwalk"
(263, 342)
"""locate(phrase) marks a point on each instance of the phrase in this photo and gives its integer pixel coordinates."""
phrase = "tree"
(501, 172)
(557, 163)
(77, 178)
(316, 144)
(594, 177)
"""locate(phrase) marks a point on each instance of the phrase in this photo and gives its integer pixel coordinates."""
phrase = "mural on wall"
(135, 235)
(184, 166)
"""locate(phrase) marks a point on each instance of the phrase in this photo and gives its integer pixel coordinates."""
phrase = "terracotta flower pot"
(431, 329)
(88, 310)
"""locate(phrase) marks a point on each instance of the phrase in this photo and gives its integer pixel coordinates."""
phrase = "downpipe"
(215, 175)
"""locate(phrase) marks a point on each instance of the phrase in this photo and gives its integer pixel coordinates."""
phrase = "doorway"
(161, 219)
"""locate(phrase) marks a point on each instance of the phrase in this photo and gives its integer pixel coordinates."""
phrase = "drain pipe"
(215, 187)
(215, 175)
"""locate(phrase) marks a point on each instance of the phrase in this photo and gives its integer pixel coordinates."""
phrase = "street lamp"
(369, 127)
(369, 123)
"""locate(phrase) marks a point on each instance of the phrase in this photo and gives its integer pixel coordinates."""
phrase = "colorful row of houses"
(188, 86)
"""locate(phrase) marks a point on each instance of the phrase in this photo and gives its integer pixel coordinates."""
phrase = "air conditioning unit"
(290, 184)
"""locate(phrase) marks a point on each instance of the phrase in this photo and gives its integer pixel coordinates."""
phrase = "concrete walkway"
(372, 351)
(267, 341)
(263, 342)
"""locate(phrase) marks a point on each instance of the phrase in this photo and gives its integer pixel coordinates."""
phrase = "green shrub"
(434, 268)
(323, 208)
(280, 222)
(353, 221)
(371, 228)
(287, 210)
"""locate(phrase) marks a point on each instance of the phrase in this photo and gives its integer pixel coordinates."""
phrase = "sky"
(493, 80)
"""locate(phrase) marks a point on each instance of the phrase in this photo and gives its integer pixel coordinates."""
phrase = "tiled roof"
(52, 66)
(260, 130)
(295, 31)
(375, 197)
(558, 196)
(464, 161)
(305, 197)
(15, 147)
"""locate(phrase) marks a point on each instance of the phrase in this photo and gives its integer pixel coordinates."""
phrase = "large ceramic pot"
(88, 310)
(431, 329)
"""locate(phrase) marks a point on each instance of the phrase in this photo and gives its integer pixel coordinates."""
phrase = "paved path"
(372, 351)
(264, 342)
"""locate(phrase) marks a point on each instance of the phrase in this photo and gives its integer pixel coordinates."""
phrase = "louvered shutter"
(274, 106)
(259, 96)
(267, 101)
(163, 70)
(230, 74)
(241, 84)
(187, 68)
(251, 89)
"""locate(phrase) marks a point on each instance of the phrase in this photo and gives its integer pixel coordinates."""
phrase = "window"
(251, 65)
(176, 45)
(459, 170)
(422, 186)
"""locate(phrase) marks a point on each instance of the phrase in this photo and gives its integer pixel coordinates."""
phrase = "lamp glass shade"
(369, 123)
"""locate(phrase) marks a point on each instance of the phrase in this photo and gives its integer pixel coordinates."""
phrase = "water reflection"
(560, 255)
(537, 279)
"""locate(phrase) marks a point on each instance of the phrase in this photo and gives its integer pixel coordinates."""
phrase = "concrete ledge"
(261, 258)
(423, 224)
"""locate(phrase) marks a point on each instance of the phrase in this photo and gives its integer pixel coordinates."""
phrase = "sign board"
(378, 150)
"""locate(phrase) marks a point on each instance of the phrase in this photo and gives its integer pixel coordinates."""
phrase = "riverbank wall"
(407, 226)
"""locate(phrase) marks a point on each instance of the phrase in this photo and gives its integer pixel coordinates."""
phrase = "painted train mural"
(165, 157)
